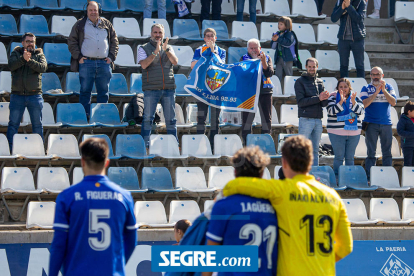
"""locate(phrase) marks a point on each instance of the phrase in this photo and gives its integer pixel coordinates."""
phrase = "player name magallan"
(257, 207)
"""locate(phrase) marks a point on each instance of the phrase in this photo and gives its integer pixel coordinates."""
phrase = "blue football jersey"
(244, 220)
(96, 213)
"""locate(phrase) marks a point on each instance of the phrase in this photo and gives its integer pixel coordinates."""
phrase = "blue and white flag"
(227, 86)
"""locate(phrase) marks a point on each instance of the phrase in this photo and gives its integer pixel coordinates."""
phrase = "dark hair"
(346, 81)
(182, 225)
(95, 152)
(250, 162)
(312, 59)
(210, 30)
(281, 174)
(28, 34)
(297, 152)
(409, 106)
(287, 21)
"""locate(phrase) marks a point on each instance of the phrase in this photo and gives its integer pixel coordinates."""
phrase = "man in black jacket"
(311, 97)
(351, 34)
(26, 65)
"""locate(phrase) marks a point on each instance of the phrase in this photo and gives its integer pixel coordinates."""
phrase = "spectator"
(95, 227)
(311, 97)
(378, 97)
(252, 10)
(284, 41)
(182, 9)
(351, 34)
(26, 65)
(180, 228)
(162, 8)
(157, 59)
(214, 5)
(405, 129)
(207, 49)
(266, 90)
(344, 123)
(94, 45)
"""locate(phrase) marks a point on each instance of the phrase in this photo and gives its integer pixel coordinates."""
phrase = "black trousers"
(202, 110)
(265, 109)
(408, 153)
(215, 10)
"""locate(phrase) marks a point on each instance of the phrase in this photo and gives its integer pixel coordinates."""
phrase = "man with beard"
(254, 51)
(94, 45)
(377, 97)
(157, 59)
(311, 97)
(208, 49)
(26, 65)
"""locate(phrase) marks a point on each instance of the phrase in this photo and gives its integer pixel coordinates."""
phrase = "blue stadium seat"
(35, 24)
(321, 171)
(45, 4)
(219, 26)
(265, 143)
(131, 146)
(15, 44)
(235, 53)
(14, 4)
(109, 5)
(72, 115)
(106, 115)
(354, 177)
(72, 84)
(106, 138)
(57, 54)
(8, 26)
(180, 81)
(50, 81)
(75, 5)
(126, 177)
(158, 179)
(135, 6)
(135, 81)
(186, 29)
(118, 86)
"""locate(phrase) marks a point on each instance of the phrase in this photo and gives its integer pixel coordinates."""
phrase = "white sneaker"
(374, 15)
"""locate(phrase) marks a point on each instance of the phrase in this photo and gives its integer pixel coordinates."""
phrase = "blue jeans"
(18, 103)
(344, 49)
(343, 147)
(215, 10)
(151, 99)
(371, 137)
(162, 9)
(90, 72)
(252, 10)
(311, 128)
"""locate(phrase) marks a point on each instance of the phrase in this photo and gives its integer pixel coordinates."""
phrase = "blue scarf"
(267, 82)
(182, 8)
(347, 115)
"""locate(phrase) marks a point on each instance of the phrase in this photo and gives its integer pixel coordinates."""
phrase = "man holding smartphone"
(26, 65)
(157, 60)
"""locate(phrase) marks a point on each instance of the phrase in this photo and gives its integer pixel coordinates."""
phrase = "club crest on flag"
(216, 78)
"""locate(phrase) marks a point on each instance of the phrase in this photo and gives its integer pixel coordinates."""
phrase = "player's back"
(244, 220)
(96, 211)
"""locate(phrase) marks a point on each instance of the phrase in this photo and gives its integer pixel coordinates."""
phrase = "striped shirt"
(334, 108)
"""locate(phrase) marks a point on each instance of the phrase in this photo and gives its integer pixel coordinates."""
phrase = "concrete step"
(392, 61)
(389, 48)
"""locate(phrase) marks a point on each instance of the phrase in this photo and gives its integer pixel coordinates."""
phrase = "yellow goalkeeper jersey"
(312, 220)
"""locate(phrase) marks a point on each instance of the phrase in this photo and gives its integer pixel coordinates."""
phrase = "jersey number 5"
(96, 226)
(308, 222)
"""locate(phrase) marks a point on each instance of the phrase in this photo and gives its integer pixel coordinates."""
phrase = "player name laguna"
(312, 198)
(100, 195)
(257, 207)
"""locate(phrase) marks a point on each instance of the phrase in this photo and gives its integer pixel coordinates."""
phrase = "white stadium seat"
(29, 146)
(330, 84)
(394, 117)
(126, 27)
(52, 179)
(77, 175)
(219, 176)
(5, 82)
(165, 146)
(62, 25)
(151, 214)
(394, 85)
(327, 33)
(125, 57)
(63, 146)
(386, 210)
(258, 7)
(289, 114)
(40, 214)
(184, 54)
(277, 87)
(4, 113)
(357, 84)
(148, 22)
(227, 8)
(276, 172)
(303, 56)
(266, 174)
(198, 146)
(227, 144)
(244, 30)
(289, 86)
(267, 29)
(48, 119)
(4, 148)
(208, 204)
(17, 180)
(408, 209)
(404, 11)
(386, 178)
(183, 209)
(361, 149)
(191, 179)
(407, 177)
(357, 214)
(3, 54)
(270, 52)
(328, 59)
(305, 34)
(306, 8)
(277, 7)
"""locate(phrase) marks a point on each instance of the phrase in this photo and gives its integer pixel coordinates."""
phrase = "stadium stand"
(386, 211)
(52, 180)
(357, 213)
(40, 214)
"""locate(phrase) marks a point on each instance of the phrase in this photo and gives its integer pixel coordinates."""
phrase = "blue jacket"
(288, 42)
(405, 129)
(354, 13)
